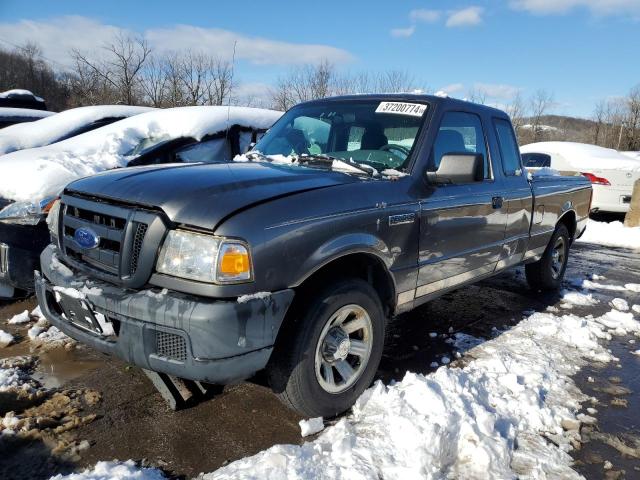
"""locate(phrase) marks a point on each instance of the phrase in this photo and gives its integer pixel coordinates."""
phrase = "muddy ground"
(132, 421)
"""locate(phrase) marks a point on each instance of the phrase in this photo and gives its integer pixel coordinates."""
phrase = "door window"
(460, 132)
(511, 164)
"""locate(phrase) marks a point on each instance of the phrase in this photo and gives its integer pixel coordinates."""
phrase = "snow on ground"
(114, 471)
(19, 318)
(110, 147)
(486, 420)
(613, 234)
(15, 375)
(572, 298)
(6, 339)
(311, 426)
(55, 127)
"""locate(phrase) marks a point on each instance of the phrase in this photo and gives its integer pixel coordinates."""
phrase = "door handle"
(496, 202)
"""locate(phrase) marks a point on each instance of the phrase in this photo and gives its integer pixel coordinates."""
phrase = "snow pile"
(572, 298)
(486, 420)
(613, 234)
(311, 426)
(51, 167)
(114, 471)
(15, 375)
(55, 127)
(6, 339)
(20, 318)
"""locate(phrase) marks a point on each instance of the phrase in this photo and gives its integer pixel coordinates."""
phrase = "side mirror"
(458, 168)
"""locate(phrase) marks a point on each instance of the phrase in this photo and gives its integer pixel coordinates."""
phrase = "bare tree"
(516, 110)
(302, 84)
(541, 101)
(154, 82)
(477, 96)
(121, 66)
(220, 82)
(598, 119)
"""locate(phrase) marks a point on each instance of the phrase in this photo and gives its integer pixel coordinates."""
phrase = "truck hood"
(203, 195)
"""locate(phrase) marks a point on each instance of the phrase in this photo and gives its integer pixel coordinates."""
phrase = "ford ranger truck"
(290, 260)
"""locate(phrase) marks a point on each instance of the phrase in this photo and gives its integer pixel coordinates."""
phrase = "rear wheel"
(548, 272)
(331, 351)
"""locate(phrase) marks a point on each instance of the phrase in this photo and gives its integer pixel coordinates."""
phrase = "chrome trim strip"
(4, 258)
(455, 280)
(406, 297)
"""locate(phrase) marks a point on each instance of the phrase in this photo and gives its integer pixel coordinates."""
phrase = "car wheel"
(548, 272)
(331, 351)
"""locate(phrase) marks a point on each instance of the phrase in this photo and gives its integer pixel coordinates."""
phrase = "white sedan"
(611, 173)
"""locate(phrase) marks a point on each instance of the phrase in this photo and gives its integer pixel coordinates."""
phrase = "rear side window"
(536, 160)
(460, 132)
(511, 164)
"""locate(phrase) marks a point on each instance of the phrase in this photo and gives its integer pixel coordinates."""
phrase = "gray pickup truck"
(290, 260)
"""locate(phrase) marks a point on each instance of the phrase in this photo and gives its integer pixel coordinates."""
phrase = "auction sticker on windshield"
(401, 108)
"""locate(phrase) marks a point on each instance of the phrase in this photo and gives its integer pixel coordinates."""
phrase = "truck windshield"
(375, 133)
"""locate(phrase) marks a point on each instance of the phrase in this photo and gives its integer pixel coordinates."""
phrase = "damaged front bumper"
(196, 338)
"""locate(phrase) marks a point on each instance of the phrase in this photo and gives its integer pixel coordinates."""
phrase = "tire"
(315, 343)
(547, 273)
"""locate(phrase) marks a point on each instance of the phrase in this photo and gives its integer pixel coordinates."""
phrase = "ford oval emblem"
(86, 238)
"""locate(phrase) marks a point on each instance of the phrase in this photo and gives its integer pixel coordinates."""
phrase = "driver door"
(462, 227)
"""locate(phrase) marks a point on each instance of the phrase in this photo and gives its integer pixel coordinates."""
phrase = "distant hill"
(559, 127)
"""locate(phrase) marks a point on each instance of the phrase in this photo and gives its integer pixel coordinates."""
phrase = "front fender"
(348, 244)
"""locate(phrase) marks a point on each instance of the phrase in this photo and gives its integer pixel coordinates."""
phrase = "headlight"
(204, 258)
(53, 218)
(26, 213)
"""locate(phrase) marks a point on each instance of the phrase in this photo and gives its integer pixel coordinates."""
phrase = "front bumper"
(22, 245)
(196, 338)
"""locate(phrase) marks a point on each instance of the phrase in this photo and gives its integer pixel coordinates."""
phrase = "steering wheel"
(400, 148)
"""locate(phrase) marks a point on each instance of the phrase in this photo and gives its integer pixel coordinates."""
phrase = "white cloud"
(467, 17)
(500, 91)
(453, 88)
(424, 15)
(597, 7)
(403, 32)
(59, 35)
(256, 50)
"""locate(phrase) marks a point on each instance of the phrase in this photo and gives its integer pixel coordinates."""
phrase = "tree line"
(127, 71)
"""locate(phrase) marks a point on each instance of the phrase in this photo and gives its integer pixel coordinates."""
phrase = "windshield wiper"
(256, 154)
(328, 159)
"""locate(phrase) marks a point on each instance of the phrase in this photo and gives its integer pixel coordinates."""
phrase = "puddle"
(57, 366)
(613, 421)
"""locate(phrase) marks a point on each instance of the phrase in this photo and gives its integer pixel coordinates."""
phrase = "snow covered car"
(611, 173)
(633, 155)
(10, 116)
(63, 125)
(290, 260)
(32, 179)
(19, 98)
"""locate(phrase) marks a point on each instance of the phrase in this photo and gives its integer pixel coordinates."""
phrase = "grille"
(4, 258)
(122, 233)
(136, 247)
(171, 346)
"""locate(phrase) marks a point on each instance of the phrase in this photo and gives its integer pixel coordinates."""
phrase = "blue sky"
(581, 50)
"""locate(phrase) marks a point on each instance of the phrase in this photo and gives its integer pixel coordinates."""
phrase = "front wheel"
(331, 351)
(548, 272)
